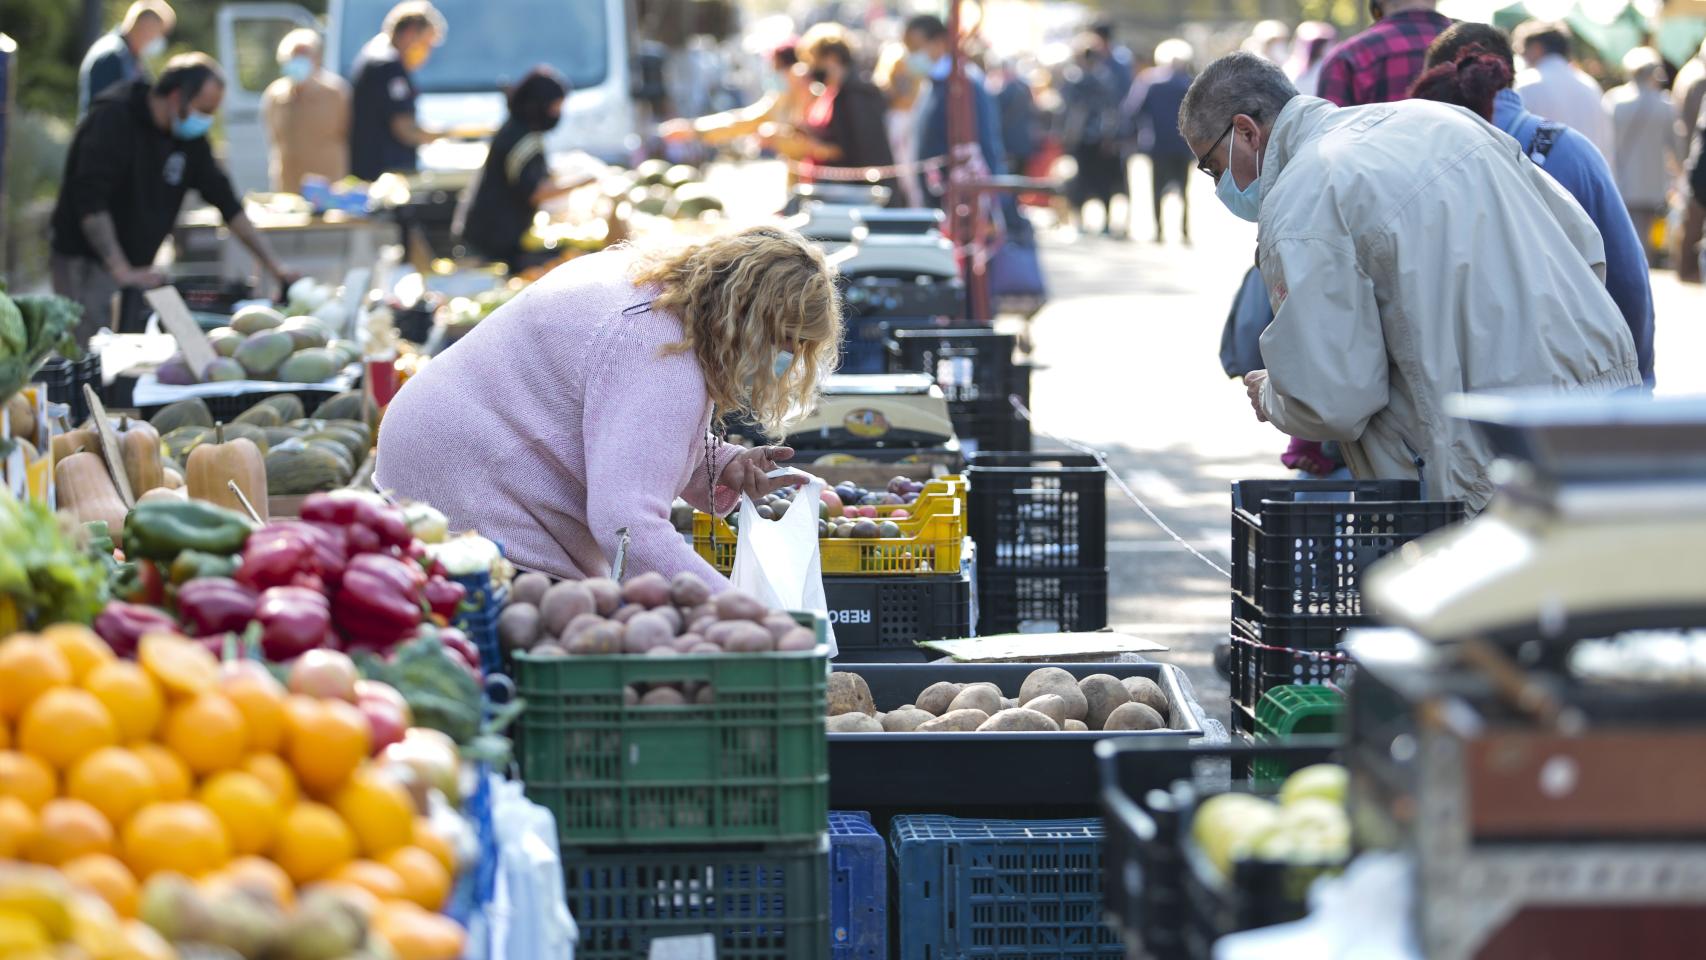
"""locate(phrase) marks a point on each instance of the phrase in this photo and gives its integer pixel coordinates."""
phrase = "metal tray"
(1024, 775)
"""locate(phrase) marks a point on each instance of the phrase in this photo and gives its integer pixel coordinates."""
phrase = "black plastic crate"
(201, 294)
(969, 363)
(1259, 666)
(1038, 510)
(1040, 601)
(881, 619)
(991, 423)
(1152, 887)
(227, 408)
(1299, 547)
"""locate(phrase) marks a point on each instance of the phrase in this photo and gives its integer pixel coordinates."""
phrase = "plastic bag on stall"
(528, 916)
(777, 561)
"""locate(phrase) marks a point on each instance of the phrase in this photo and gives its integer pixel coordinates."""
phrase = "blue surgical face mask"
(192, 127)
(920, 63)
(784, 360)
(1245, 203)
(297, 69)
(154, 48)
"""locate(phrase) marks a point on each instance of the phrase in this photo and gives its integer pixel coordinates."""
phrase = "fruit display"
(264, 344)
(292, 452)
(47, 575)
(1305, 824)
(1051, 700)
(646, 616)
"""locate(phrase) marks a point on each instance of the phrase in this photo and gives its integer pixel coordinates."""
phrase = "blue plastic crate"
(478, 617)
(989, 889)
(858, 888)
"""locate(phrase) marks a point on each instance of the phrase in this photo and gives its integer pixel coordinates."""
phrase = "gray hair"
(1236, 83)
(300, 37)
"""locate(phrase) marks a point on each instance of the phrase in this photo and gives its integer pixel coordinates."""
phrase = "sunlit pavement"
(1129, 355)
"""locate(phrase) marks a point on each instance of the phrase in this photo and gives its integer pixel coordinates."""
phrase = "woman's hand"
(746, 472)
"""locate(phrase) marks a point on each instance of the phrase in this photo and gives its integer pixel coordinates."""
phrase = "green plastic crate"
(771, 903)
(1291, 710)
(750, 767)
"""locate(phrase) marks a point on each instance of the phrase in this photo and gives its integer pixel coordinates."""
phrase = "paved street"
(1129, 347)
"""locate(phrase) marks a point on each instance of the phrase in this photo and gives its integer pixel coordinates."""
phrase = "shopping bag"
(777, 561)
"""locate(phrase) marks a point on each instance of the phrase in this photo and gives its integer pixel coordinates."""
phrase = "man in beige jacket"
(307, 116)
(1410, 252)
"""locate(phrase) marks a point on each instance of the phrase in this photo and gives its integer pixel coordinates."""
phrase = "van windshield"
(491, 43)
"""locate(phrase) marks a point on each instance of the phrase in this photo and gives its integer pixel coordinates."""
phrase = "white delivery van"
(491, 43)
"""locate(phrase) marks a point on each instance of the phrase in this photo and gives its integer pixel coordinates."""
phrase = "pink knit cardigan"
(559, 420)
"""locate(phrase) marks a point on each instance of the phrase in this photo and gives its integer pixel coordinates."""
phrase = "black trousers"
(1165, 172)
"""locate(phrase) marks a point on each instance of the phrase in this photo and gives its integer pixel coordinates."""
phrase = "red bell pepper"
(370, 525)
(378, 604)
(122, 625)
(215, 605)
(293, 621)
(291, 553)
(148, 587)
(444, 596)
(457, 644)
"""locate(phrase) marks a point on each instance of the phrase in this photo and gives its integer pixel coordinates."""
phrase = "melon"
(261, 353)
(254, 319)
(305, 332)
(225, 341)
(313, 365)
(223, 369)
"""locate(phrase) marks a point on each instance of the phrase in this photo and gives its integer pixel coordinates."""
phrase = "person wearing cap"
(118, 55)
(306, 112)
(384, 135)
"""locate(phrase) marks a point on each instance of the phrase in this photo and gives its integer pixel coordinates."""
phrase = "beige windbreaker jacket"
(1411, 252)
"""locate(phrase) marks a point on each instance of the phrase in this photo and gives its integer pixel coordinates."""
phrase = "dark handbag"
(1016, 271)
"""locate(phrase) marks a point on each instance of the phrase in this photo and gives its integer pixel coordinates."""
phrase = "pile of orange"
(112, 771)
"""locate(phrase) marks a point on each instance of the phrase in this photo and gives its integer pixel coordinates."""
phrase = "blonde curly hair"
(741, 298)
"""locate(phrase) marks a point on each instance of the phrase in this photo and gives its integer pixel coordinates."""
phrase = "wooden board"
(109, 444)
(175, 317)
(1027, 647)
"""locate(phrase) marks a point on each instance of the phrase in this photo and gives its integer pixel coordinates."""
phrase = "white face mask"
(784, 360)
(154, 48)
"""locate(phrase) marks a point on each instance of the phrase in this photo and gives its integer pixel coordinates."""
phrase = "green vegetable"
(46, 575)
(440, 692)
(14, 338)
(45, 321)
(196, 565)
(161, 529)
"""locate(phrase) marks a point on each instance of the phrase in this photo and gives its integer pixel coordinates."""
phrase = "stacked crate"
(977, 372)
(1040, 521)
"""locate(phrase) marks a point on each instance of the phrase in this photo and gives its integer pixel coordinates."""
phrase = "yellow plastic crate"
(931, 542)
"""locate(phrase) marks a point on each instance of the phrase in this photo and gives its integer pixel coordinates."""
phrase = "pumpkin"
(139, 448)
(343, 406)
(81, 440)
(22, 424)
(166, 494)
(287, 405)
(212, 466)
(174, 479)
(295, 467)
(185, 413)
(261, 415)
(87, 490)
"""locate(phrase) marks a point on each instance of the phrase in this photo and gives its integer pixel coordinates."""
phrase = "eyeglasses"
(1202, 164)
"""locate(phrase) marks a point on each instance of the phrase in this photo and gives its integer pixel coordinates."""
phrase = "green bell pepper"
(196, 565)
(161, 530)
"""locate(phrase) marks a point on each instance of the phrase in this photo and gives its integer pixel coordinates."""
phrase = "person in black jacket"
(844, 126)
(139, 149)
(500, 204)
(383, 133)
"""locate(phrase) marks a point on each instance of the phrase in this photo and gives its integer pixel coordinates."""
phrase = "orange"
(276, 774)
(29, 667)
(82, 648)
(28, 778)
(171, 777)
(375, 878)
(312, 842)
(5, 736)
(260, 699)
(359, 899)
(114, 781)
(183, 837)
(434, 843)
(378, 809)
(130, 695)
(102, 874)
(416, 934)
(207, 732)
(247, 807)
(180, 665)
(143, 943)
(327, 743)
(65, 725)
(425, 881)
(18, 827)
(69, 829)
(261, 874)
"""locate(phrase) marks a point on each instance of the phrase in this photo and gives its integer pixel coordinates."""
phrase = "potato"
(630, 697)
(687, 642)
(745, 636)
(603, 638)
(1134, 716)
(549, 650)
(798, 638)
(734, 605)
(664, 651)
(849, 694)
(909, 706)
(687, 590)
(1075, 726)
(562, 603)
(705, 694)
(1020, 719)
(663, 697)
(719, 631)
(704, 647)
(1058, 682)
(954, 721)
(1103, 694)
(529, 588)
(649, 589)
(581, 622)
(607, 593)
(936, 697)
(1147, 692)
(518, 627)
(645, 631)
(1008, 703)
(977, 696)
(854, 723)
(704, 611)
(905, 720)
(1049, 705)
(671, 616)
(627, 612)
(779, 624)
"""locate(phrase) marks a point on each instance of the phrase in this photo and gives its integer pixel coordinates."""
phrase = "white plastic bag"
(778, 562)
(529, 916)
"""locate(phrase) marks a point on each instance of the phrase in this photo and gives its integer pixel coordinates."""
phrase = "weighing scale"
(826, 212)
(891, 414)
(1550, 812)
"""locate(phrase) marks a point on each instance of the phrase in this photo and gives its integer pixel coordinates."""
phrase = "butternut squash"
(212, 465)
(174, 479)
(168, 494)
(22, 425)
(139, 448)
(87, 490)
(81, 440)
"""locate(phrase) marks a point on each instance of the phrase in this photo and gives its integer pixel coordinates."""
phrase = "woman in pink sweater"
(584, 405)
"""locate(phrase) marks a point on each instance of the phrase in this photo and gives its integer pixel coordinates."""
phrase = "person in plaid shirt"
(1379, 64)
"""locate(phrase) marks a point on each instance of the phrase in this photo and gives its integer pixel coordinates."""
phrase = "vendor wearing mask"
(307, 116)
(500, 204)
(141, 147)
(118, 55)
(843, 127)
(383, 133)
